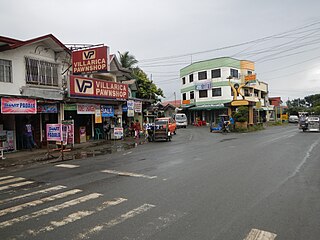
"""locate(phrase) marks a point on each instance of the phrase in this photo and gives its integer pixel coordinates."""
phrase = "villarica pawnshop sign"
(95, 88)
(91, 60)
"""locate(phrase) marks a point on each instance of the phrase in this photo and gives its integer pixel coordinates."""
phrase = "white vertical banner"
(137, 106)
(130, 104)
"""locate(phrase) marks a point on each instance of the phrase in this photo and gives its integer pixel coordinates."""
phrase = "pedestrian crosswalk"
(37, 212)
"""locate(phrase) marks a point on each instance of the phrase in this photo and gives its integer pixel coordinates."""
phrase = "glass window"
(184, 96)
(216, 73)
(41, 72)
(183, 80)
(191, 78)
(5, 71)
(216, 92)
(203, 93)
(202, 75)
(192, 95)
(234, 73)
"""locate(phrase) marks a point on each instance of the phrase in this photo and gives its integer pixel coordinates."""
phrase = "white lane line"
(256, 234)
(128, 174)
(5, 177)
(127, 153)
(15, 185)
(143, 208)
(49, 210)
(70, 219)
(67, 165)
(39, 202)
(47, 190)
(12, 180)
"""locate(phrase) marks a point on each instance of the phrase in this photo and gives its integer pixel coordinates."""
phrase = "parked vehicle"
(159, 131)
(181, 120)
(293, 119)
(171, 123)
(223, 125)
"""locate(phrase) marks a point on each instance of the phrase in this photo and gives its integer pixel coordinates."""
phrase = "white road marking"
(12, 180)
(256, 234)
(6, 177)
(15, 185)
(127, 153)
(128, 174)
(67, 165)
(70, 219)
(59, 187)
(38, 202)
(49, 210)
(116, 221)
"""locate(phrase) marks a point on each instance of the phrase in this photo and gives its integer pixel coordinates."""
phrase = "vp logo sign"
(83, 86)
(90, 54)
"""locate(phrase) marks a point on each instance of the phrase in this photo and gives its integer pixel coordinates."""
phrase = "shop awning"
(219, 104)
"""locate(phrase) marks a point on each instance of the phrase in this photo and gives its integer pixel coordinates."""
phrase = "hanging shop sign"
(107, 111)
(203, 85)
(91, 60)
(137, 106)
(98, 116)
(124, 108)
(86, 108)
(130, 105)
(54, 132)
(96, 88)
(18, 106)
(47, 108)
(70, 107)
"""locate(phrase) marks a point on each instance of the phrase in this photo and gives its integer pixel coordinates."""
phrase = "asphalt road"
(201, 185)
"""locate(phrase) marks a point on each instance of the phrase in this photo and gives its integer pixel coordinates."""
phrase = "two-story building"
(206, 89)
(32, 85)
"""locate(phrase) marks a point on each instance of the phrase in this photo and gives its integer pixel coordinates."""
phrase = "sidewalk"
(82, 150)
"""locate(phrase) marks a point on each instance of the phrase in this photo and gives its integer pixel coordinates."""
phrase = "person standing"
(28, 132)
(137, 129)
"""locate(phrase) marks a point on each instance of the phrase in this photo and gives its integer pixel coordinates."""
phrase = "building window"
(249, 72)
(41, 72)
(5, 71)
(191, 78)
(203, 93)
(216, 92)
(183, 80)
(192, 95)
(246, 92)
(216, 73)
(234, 73)
(202, 75)
(184, 96)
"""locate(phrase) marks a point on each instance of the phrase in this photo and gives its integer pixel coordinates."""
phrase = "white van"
(181, 120)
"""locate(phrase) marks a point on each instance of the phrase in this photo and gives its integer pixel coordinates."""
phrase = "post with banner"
(69, 132)
(57, 133)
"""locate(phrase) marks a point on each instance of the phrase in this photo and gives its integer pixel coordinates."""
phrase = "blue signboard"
(124, 108)
(107, 111)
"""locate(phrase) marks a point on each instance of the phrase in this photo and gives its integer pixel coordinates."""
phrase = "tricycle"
(223, 124)
(159, 131)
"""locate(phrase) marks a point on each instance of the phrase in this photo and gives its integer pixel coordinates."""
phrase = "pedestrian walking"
(137, 129)
(28, 133)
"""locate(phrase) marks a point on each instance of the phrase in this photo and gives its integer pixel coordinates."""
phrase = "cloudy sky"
(281, 37)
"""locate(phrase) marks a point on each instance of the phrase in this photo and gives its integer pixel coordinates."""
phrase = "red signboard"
(96, 88)
(18, 106)
(91, 60)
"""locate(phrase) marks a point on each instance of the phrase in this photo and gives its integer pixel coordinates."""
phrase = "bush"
(242, 114)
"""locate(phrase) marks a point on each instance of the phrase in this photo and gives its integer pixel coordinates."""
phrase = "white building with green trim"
(205, 89)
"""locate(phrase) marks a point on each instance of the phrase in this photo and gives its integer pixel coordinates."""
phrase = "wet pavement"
(83, 150)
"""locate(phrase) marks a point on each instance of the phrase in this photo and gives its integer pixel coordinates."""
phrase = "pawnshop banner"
(18, 106)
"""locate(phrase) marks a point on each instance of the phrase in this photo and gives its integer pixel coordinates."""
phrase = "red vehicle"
(171, 122)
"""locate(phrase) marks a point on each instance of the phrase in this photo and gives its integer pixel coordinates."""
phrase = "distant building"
(207, 91)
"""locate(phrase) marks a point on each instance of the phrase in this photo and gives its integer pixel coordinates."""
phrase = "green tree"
(147, 89)
(242, 114)
(127, 60)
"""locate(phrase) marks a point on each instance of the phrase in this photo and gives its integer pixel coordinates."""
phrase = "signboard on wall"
(130, 105)
(86, 108)
(203, 85)
(18, 106)
(138, 106)
(91, 60)
(107, 111)
(47, 108)
(92, 88)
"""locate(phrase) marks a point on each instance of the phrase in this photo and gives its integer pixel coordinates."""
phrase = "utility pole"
(175, 99)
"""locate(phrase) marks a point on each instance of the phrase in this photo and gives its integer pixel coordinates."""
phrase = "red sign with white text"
(91, 60)
(18, 106)
(96, 88)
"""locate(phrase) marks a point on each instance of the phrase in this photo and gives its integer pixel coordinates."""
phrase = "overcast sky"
(166, 35)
